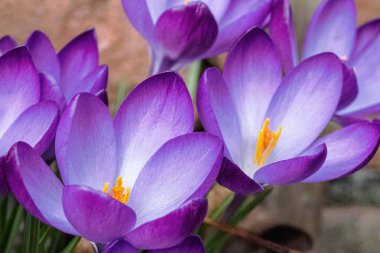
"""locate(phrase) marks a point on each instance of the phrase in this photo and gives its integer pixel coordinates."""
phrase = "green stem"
(193, 78)
(43, 235)
(31, 235)
(217, 241)
(72, 244)
(121, 93)
(14, 223)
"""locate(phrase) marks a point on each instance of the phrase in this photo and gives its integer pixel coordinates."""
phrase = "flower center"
(266, 142)
(118, 191)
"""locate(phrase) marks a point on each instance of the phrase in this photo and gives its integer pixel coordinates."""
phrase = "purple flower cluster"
(139, 180)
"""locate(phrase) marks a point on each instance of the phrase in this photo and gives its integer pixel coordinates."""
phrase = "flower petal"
(252, 73)
(304, 104)
(174, 173)
(348, 120)
(78, 58)
(195, 31)
(138, 14)
(19, 85)
(348, 150)
(43, 54)
(36, 126)
(329, 32)
(239, 17)
(36, 187)
(292, 170)
(85, 143)
(234, 179)
(96, 215)
(50, 91)
(281, 30)
(157, 110)
(6, 44)
(350, 85)
(120, 246)
(171, 229)
(218, 113)
(192, 244)
(367, 68)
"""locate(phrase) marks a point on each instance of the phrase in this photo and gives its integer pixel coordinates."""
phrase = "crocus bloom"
(270, 126)
(22, 116)
(74, 69)
(182, 31)
(333, 29)
(137, 181)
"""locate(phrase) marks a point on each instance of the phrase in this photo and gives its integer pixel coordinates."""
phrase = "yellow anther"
(118, 191)
(344, 57)
(266, 142)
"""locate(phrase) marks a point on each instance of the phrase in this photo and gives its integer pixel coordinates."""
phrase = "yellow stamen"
(344, 57)
(187, 1)
(266, 142)
(118, 191)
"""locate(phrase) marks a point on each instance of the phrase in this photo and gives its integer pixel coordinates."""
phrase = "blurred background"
(339, 217)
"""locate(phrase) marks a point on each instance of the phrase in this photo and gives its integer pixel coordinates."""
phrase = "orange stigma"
(266, 142)
(118, 191)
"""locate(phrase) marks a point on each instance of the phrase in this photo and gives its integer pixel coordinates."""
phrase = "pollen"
(266, 142)
(119, 192)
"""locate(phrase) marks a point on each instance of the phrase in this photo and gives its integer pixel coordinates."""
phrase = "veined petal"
(78, 58)
(366, 64)
(348, 150)
(281, 30)
(6, 44)
(234, 179)
(156, 111)
(329, 32)
(120, 246)
(43, 54)
(292, 170)
(192, 244)
(96, 215)
(85, 144)
(239, 17)
(171, 229)
(252, 73)
(36, 126)
(173, 174)
(185, 32)
(350, 85)
(138, 14)
(36, 187)
(304, 104)
(218, 114)
(50, 91)
(19, 85)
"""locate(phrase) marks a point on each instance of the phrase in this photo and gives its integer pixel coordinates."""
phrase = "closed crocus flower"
(23, 117)
(333, 29)
(182, 31)
(271, 125)
(136, 181)
(74, 69)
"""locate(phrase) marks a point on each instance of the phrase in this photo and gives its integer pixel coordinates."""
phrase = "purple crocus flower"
(161, 170)
(333, 29)
(182, 31)
(23, 117)
(74, 69)
(270, 125)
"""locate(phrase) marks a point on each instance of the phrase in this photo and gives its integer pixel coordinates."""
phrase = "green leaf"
(12, 228)
(31, 235)
(72, 244)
